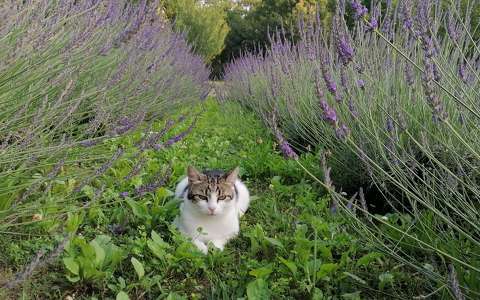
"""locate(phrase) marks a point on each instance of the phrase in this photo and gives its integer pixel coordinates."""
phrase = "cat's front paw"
(201, 246)
(220, 244)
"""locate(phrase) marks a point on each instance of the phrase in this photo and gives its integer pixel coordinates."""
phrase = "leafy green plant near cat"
(90, 261)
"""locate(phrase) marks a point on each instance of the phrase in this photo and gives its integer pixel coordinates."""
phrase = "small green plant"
(91, 261)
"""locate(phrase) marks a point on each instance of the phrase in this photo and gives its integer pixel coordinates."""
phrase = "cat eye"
(202, 197)
(223, 197)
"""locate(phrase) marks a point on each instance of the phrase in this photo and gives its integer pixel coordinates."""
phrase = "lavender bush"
(396, 101)
(76, 76)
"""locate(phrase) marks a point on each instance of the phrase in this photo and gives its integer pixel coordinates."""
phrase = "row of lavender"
(74, 76)
(395, 99)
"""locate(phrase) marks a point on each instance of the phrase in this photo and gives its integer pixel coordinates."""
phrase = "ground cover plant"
(290, 245)
(394, 99)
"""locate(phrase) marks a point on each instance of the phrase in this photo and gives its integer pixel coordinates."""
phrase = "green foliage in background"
(252, 21)
(204, 24)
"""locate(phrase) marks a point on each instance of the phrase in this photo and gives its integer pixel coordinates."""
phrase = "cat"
(213, 202)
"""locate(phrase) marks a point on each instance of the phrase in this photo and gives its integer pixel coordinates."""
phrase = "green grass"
(290, 245)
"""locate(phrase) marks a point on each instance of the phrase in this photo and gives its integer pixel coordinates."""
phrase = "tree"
(252, 21)
(204, 22)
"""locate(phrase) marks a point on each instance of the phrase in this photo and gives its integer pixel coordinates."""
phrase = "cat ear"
(194, 175)
(232, 176)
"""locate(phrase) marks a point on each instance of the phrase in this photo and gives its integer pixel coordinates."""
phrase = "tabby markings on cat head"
(214, 188)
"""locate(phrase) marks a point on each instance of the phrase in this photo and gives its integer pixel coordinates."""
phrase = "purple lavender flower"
(432, 98)
(288, 151)
(390, 127)
(407, 14)
(124, 121)
(361, 83)
(372, 24)
(359, 9)
(342, 132)
(330, 83)
(124, 194)
(429, 51)
(436, 73)
(409, 76)
(126, 124)
(452, 28)
(329, 114)
(153, 186)
(345, 51)
(88, 143)
(462, 73)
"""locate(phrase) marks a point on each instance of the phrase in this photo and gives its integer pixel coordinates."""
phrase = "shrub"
(75, 77)
(395, 99)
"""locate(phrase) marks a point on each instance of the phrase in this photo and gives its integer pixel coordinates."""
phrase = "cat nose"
(212, 210)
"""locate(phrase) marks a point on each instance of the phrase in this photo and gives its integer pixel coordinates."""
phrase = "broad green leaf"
(325, 270)
(325, 252)
(368, 258)
(163, 193)
(89, 271)
(262, 272)
(156, 249)
(138, 267)
(73, 279)
(116, 254)
(87, 250)
(274, 242)
(157, 238)
(138, 209)
(290, 264)
(103, 239)
(317, 294)
(258, 290)
(71, 265)
(355, 277)
(122, 296)
(99, 253)
(73, 222)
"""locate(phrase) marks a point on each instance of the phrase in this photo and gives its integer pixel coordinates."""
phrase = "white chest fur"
(208, 228)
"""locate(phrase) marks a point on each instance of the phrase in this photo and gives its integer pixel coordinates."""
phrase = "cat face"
(211, 192)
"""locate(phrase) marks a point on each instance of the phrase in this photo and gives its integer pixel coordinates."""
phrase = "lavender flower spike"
(373, 24)
(345, 51)
(407, 14)
(285, 146)
(288, 151)
(361, 83)
(342, 132)
(462, 73)
(359, 9)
